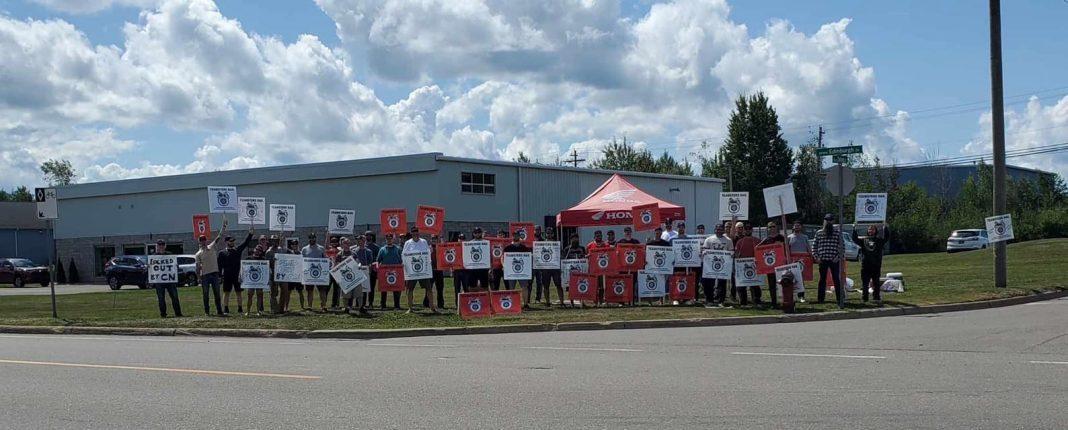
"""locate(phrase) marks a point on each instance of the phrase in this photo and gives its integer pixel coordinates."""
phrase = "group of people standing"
(222, 267)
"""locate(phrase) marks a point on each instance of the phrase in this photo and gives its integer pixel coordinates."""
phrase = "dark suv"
(127, 270)
(20, 271)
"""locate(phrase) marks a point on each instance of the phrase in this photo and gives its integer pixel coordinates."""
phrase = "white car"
(852, 251)
(967, 240)
(187, 270)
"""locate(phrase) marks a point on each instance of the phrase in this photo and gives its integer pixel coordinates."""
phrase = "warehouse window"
(478, 183)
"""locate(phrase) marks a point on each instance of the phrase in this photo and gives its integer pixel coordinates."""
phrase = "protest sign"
(546, 254)
(745, 273)
(417, 265)
(601, 262)
(506, 302)
(316, 271)
(717, 265)
(780, 200)
(449, 255)
(999, 228)
(283, 217)
(806, 261)
(341, 221)
(222, 200)
(651, 285)
(201, 227)
(871, 207)
(659, 259)
(517, 266)
(497, 245)
(431, 219)
(618, 288)
(583, 287)
(393, 221)
(682, 287)
(734, 205)
(162, 269)
(524, 231)
(251, 210)
(255, 274)
(350, 276)
(474, 305)
(768, 257)
(288, 268)
(630, 257)
(687, 252)
(799, 284)
(646, 217)
(391, 278)
(569, 266)
(476, 254)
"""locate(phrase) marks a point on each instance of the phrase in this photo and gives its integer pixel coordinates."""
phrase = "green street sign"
(844, 159)
(839, 150)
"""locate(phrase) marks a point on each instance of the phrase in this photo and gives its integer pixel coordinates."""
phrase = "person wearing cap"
(371, 244)
(611, 238)
(418, 244)
(354, 299)
(657, 239)
(829, 250)
(549, 276)
(171, 289)
(312, 250)
(745, 247)
(258, 253)
(700, 230)
(574, 250)
(459, 276)
(230, 266)
(628, 236)
(477, 279)
(774, 237)
(716, 289)
(207, 263)
(438, 277)
(496, 274)
(389, 254)
(517, 245)
(668, 233)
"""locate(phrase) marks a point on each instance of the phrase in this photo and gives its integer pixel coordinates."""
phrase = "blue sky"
(215, 85)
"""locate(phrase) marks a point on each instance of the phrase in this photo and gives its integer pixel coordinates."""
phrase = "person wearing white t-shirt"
(716, 289)
(669, 232)
(418, 244)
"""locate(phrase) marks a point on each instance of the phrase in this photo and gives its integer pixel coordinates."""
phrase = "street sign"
(840, 159)
(839, 150)
(47, 207)
(840, 175)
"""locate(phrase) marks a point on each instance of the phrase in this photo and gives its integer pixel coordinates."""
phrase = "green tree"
(754, 151)
(522, 158)
(667, 165)
(58, 172)
(624, 156)
(808, 185)
(22, 194)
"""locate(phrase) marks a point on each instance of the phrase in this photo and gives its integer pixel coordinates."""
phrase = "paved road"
(997, 368)
(7, 290)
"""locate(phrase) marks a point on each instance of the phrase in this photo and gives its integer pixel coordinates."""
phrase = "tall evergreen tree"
(808, 185)
(624, 156)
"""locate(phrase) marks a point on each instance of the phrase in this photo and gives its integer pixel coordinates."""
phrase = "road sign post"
(839, 150)
(840, 181)
(48, 209)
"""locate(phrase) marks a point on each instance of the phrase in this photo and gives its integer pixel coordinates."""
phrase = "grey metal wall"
(34, 244)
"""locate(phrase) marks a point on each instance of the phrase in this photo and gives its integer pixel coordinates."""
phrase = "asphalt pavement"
(36, 290)
(995, 368)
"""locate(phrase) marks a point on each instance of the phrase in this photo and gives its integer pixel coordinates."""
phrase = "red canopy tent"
(610, 204)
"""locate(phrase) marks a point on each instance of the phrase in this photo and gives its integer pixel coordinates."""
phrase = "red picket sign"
(630, 257)
(583, 287)
(646, 217)
(602, 262)
(618, 288)
(507, 302)
(394, 221)
(430, 219)
(474, 305)
(525, 231)
(807, 271)
(449, 255)
(201, 226)
(768, 257)
(682, 286)
(497, 245)
(391, 278)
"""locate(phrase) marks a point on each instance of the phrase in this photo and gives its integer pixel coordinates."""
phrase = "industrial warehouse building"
(104, 219)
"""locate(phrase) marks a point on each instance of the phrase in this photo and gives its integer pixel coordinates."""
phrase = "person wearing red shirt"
(745, 247)
(598, 244)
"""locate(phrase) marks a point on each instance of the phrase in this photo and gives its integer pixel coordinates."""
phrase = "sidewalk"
(37, 290)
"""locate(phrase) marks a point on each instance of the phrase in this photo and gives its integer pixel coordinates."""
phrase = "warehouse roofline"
(412, 163)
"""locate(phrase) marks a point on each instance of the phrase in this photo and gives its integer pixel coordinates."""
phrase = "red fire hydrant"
(786, 283)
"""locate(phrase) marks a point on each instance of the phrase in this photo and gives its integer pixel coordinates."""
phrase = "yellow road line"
(159, 369)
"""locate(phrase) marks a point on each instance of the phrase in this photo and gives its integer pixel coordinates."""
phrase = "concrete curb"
(529, 328)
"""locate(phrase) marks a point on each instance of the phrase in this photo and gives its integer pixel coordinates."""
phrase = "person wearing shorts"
(312, 250)
(230, 268)
(418, 244)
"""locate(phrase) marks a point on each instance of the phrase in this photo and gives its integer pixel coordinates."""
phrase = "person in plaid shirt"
(829, 250)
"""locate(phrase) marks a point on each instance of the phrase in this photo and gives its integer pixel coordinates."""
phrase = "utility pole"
(997, 110)
(819, 144)
(574, 158)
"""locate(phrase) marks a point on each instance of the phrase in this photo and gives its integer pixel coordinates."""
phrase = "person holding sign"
(744, 247)
(286, 288)
(829, 251)
(312, 250)
(716, 289)
(418, 244)
(230, 266)
(871, 265)
(389, 254)
(438, 277)
(797, 241)
(171, 288)
(518, 245)
(259, 253)
(207, 267)
(773, 238)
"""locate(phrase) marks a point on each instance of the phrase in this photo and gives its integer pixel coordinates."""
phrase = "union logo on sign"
(506, 302)
(871, 206)
(619, 287)
(476, 254)
(517, 265)
(475, 305)
(647, 216)
(254, 273)
(769, 258)
(999, 228)
(315, 270)
(393, 220)
(687, 252)
(630, 257)
(450, 256)
(717, 264)
(734, 205)
(650, 283)
(681, 286)
(283, 216)
(417, 265)
(749, 272)
(223, 198)
(391, 277)
(602, 261)
(521, 232)
(342, 220)
(546, 254)
(659, 259)
(430, 219)
(583, 286)
(498, 251)
(251, 210)
(347, 274)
